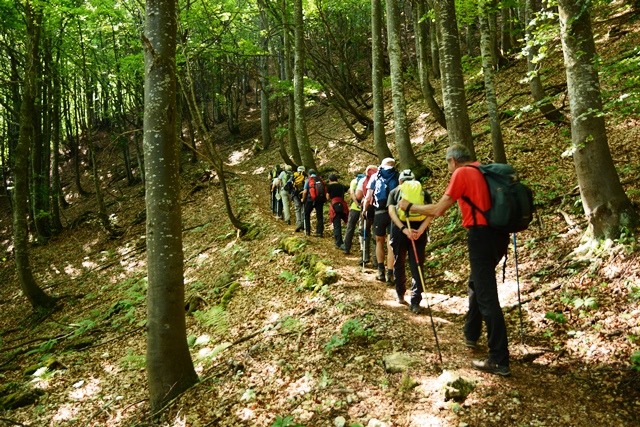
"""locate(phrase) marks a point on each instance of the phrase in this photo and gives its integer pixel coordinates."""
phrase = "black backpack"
(288, 186)
(511, 201)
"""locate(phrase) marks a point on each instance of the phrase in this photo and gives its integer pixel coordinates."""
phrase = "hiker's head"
(333, 177)
(301, 169)
(457, 155)
(371, 169)
(388, 163)
(287, 168)
(312, 171)
(406, 175)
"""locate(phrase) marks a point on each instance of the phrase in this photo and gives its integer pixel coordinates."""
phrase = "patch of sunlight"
(85, 389)
(238, 156)
(89, 264)
(65, 412)
(202, 340)
(87, 247)
(180, 421)
(427, 420)
(300, 387)
(71, 271)
(54, 268)
(259, 171)
(246, 414)
(417, 140)
(273, 317)
(109, 367)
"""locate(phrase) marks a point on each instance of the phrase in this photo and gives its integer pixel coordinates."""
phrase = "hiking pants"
(310, 205)
(352, 221)
(368, 250)
(286, 202)
(402, 246)
(298, 206)
(337, 229)
(486, 247)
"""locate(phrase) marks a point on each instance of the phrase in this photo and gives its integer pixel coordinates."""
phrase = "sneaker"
(363, 262)
(487, 365)
(471, 344)
(342, 248)
(400, 300)
(380, 276)
(415, 308)
(390, 281)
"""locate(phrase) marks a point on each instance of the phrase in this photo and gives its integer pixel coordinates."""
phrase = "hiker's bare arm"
(394, 216)
(367, 200)
(430, 210)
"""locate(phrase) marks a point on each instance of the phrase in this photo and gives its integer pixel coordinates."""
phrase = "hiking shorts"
(381, 223)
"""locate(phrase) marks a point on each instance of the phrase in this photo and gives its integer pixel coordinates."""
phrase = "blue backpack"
(386, 180)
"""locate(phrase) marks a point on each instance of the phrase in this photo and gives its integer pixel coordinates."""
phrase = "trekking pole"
(515, 257)
(424, 289)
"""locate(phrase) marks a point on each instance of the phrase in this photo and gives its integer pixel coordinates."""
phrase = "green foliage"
(556, 317)
(285, 422)
(132, 362)
(43, 348)
(289, 276)
(82, 326)
(214, 318)
(635, 360)
(588, 303)
(229, 294)
(351, 329)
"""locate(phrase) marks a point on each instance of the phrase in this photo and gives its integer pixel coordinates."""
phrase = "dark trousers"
(486, 247)
(402, 246)
(352, 221)
(366, 234)
(309, 206)
(337, 229)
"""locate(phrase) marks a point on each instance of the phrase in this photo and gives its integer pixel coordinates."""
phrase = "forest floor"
(277, 349)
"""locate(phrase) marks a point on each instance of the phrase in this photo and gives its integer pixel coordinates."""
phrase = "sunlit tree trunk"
(422, 53)
(36, 296)
(169, 367)
(265, 113)
(499, 155)
(453, 91)
(306, 153)
(605, 204)
(533, 65)
(377, 66)
(288, 73)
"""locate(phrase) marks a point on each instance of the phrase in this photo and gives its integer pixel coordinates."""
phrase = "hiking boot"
(400, 300)
(380, 276)
(487, 365)
(299, 228)
(390, 281)
(288, 222)
(342, 248)
(317, 235)
(471, 344)
(415, 308)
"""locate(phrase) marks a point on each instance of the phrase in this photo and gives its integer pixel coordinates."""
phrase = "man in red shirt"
(486, 247)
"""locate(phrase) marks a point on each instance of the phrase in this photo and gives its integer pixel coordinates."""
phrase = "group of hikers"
(393, 206)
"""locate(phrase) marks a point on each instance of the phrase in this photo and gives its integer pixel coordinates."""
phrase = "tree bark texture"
(605, 204)
(288, 73)
(453, 92)
(377, 67)
(499, 155)
(306, 153)
(408, 158)
(169, 367)
(36, 296)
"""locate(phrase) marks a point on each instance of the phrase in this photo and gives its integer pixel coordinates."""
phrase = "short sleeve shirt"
(469, 182)
(336, 190)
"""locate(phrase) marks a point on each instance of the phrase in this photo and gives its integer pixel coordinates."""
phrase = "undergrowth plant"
(352, 329)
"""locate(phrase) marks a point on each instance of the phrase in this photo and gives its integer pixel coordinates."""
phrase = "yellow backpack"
(413, 192)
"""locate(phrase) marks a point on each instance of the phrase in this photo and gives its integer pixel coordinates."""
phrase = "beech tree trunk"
(377, 67)
(36, 296)
(499, 155)
(169, 367)
(306, 153)
(288, 73)
(453, 91)
(606, 206)
(408, 158)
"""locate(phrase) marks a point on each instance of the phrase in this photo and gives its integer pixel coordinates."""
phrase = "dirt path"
(547, 387)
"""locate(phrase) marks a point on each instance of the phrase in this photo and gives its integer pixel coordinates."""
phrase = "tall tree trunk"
(435, 50)
(288, 73)
(422, 52)
(57, 196)
(169, 367)
(453, 92)
(306, 153)
(377, 67)
(543, 103)
(499, 155)
(606, 206)
(265, 114)
(36, 296)
(408, 158)
(507, 29)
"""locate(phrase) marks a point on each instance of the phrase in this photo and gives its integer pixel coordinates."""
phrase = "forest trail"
(546, 388)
